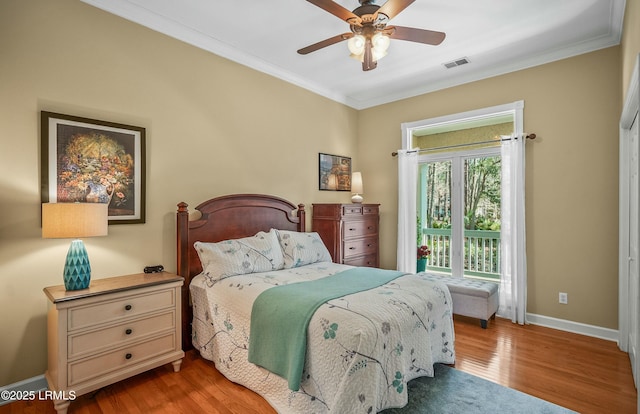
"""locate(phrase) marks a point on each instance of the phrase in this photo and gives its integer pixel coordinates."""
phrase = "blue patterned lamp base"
(77, 270)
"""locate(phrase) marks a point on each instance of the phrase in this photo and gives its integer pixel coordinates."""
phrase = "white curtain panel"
(513, 281)
(407, 187)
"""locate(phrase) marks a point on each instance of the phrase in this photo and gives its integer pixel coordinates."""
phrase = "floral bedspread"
(362, 348)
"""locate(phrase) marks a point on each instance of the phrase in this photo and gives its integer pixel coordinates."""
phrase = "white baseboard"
(35, 384)
(575, 327)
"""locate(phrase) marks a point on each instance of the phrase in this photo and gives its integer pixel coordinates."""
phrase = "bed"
(361, 349)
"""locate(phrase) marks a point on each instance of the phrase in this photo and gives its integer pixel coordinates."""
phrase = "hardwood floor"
(578, 372)
(581, 373)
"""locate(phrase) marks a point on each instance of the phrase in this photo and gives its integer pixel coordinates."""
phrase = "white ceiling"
(496, 36)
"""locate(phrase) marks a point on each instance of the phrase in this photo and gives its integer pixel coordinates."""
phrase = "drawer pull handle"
(127, 307)
(352, 248)
(128, 356)
(128, 331)
(352, 229)
(370, 227)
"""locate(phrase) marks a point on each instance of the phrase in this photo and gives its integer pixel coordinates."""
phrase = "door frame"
(629, 113)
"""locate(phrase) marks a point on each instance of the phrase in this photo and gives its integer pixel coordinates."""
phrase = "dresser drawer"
(86, 369)
(360, 247)
(355, 209)
(114, 310)
(363, 261)
(359, 228)
(367, 209)
(108, 338)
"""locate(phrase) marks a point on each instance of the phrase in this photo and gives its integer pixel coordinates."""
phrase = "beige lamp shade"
(356, 187)
(356, 183)
(74, 220)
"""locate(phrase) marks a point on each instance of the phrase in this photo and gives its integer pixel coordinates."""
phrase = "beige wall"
(572, 175)
(199, 111)
(213, 128)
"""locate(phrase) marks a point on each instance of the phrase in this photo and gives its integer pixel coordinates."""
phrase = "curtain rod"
(529, 136)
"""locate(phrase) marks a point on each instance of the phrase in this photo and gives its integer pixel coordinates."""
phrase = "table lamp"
(356, 187)
(75, 220)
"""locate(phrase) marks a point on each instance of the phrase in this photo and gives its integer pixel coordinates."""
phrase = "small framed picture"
(335, 172)
(92, 161)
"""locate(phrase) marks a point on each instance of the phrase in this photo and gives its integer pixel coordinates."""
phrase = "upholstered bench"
(471, 297)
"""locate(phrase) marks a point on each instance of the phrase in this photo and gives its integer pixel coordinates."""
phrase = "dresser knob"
(352, 248)
(127, 307)
(352, 229)
(128, 356)
(128, 331)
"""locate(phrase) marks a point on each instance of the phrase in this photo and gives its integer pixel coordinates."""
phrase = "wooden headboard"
(223, 218)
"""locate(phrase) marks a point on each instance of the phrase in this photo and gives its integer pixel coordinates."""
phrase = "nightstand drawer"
(362, 261)
(114, 310)
(359, 228)
(360, 247)
(108, 338)
(86, 369)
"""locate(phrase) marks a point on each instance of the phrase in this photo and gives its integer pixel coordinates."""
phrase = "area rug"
(452, 391)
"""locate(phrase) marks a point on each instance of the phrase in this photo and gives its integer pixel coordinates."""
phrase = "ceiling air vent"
(457, 62)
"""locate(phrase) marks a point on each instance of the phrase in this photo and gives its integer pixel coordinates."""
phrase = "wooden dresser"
(116, 328)
(350, 232)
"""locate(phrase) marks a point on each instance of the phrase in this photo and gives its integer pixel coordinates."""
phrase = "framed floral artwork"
(92, 161)
(335, 172)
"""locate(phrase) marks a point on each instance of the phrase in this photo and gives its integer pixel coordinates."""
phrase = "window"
(459, 211)
(459, 186)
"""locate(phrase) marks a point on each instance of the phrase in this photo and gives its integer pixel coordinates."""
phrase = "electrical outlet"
(563, 298)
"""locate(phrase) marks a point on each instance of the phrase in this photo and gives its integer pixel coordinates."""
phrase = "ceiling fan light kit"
(370, 36)
(379, 46)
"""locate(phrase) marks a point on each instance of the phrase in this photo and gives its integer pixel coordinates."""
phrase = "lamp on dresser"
(75, 220)
(356, 187)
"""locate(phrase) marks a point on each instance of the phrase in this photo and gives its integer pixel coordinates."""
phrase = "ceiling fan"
(369, 36)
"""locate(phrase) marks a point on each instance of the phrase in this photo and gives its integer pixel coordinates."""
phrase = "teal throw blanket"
(280, 317)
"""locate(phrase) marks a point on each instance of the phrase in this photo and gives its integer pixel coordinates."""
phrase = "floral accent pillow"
(301, 249)
(259, 253)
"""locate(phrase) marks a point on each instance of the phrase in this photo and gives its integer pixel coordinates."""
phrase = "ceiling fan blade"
(335, 9)
(392, 7)
(368, 63)
(428, 37)
(326, 42)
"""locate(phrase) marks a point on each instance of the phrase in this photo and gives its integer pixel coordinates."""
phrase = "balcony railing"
(481, 252)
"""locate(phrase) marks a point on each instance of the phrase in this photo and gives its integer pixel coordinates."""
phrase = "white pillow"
(259, 253)
(301, 249)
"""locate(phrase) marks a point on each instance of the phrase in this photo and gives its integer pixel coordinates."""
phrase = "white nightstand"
(116, 328)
